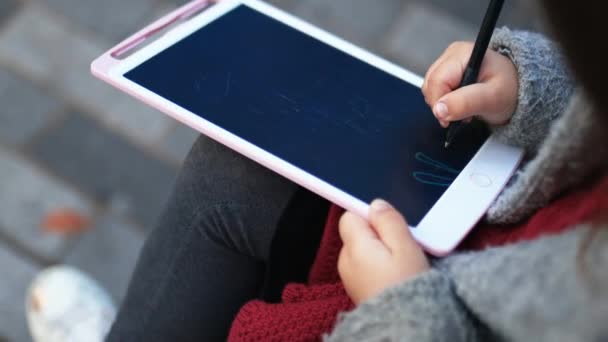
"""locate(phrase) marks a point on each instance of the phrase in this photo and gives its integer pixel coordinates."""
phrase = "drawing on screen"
(360, 106)
(443, 175)
(289, 101)
(228, 84)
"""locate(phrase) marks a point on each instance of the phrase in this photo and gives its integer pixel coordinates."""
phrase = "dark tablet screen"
(336, 117)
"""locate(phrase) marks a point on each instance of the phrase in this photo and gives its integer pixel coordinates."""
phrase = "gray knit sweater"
(532, 291)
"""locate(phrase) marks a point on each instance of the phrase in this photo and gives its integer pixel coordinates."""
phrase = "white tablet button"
(481, 180)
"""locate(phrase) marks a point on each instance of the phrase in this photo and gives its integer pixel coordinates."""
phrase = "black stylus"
(471, 73)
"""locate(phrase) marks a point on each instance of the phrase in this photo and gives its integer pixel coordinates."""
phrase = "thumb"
(390, 225)
(354, 229)
(466, 102)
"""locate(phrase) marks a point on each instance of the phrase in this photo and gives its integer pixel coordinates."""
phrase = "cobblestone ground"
(70, 141)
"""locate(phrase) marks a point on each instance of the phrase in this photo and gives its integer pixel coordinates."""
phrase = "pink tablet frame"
(101, 67)
(428, 237)
(108, 60)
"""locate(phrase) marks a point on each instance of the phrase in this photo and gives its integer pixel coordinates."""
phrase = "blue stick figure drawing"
(434, 179)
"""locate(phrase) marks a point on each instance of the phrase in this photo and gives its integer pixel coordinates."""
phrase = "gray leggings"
(210, 251)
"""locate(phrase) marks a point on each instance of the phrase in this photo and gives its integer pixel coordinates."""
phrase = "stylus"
(471, 72)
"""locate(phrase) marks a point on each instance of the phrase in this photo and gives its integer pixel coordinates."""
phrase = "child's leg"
(206, 256)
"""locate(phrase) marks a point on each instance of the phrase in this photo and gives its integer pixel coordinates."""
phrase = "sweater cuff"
(418, 310)
(545, 86)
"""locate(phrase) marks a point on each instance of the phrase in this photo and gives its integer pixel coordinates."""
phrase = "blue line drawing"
(421, 157)
(228, 84)
(431, 178)
(359, 106)
(286, 98)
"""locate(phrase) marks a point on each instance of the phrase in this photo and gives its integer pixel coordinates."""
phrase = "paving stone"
(517, 13)
(175, 3)
(178, 143)
(108, 253)
(286, 5)
(471, 11)
(13, 288)
(55, 54)
(523, 14)
(362, 22)
(422, 34)
(27, 196)
(25, 109)
(106, 166)
(7, 7)
(114, 19)
(134, 119)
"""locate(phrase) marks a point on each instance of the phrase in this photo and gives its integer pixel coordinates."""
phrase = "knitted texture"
(580, 206)
(552, 123)
(572, 153)
(545, 86)
(306, 311)
(324, 267)
(530, 291)
(383, 318)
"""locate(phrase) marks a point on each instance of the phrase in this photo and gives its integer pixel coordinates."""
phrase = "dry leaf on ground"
(65, 221)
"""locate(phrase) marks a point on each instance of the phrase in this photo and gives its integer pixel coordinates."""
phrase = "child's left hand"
(378, 254)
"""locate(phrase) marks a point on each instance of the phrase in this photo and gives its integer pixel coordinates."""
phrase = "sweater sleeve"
(545, 86)
(423, 309)
(550, 289)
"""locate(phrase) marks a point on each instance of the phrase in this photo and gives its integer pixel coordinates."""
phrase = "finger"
(452, 50)
(430, 71)
(443, 80)
(343, 264)
(353, 229)
(466, 102)
(390, 225)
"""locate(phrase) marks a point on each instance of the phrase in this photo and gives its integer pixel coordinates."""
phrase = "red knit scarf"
(310, 310)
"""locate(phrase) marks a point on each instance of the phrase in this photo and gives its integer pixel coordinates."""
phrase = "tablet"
(330, 116)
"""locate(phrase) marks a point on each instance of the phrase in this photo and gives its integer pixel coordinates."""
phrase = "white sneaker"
(65, 305)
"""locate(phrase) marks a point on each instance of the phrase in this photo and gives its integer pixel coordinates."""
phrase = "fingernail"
(441, 109)
(380, 205)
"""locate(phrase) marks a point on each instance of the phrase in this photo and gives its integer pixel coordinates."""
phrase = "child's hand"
(377, 256)
(493, 99)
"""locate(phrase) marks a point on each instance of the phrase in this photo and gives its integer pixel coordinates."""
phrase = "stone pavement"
(70, 141)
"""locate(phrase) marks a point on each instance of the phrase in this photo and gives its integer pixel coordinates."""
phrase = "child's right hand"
(493, 99)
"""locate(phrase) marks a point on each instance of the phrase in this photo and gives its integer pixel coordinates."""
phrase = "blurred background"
(85, 170)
